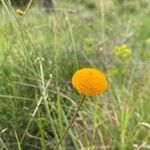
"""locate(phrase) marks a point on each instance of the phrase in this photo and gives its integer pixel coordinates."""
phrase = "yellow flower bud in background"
(123, 52)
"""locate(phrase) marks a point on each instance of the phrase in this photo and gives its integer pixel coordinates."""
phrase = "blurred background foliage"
(39, 46)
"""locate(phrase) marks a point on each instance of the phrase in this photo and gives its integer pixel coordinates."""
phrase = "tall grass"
(39, 53)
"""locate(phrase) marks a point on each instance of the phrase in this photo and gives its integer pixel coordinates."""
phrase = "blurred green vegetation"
(41, 47)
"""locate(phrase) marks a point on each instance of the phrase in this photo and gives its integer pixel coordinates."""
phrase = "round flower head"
(123, 52)
(89, 81)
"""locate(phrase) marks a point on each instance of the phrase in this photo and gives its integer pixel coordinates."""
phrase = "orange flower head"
(89, 81)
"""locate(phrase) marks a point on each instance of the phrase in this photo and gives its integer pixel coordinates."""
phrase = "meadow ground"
(39, 52)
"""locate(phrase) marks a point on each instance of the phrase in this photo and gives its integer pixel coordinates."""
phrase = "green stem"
(70, 124)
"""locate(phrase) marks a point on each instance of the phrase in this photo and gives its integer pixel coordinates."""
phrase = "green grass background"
(39, 53)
